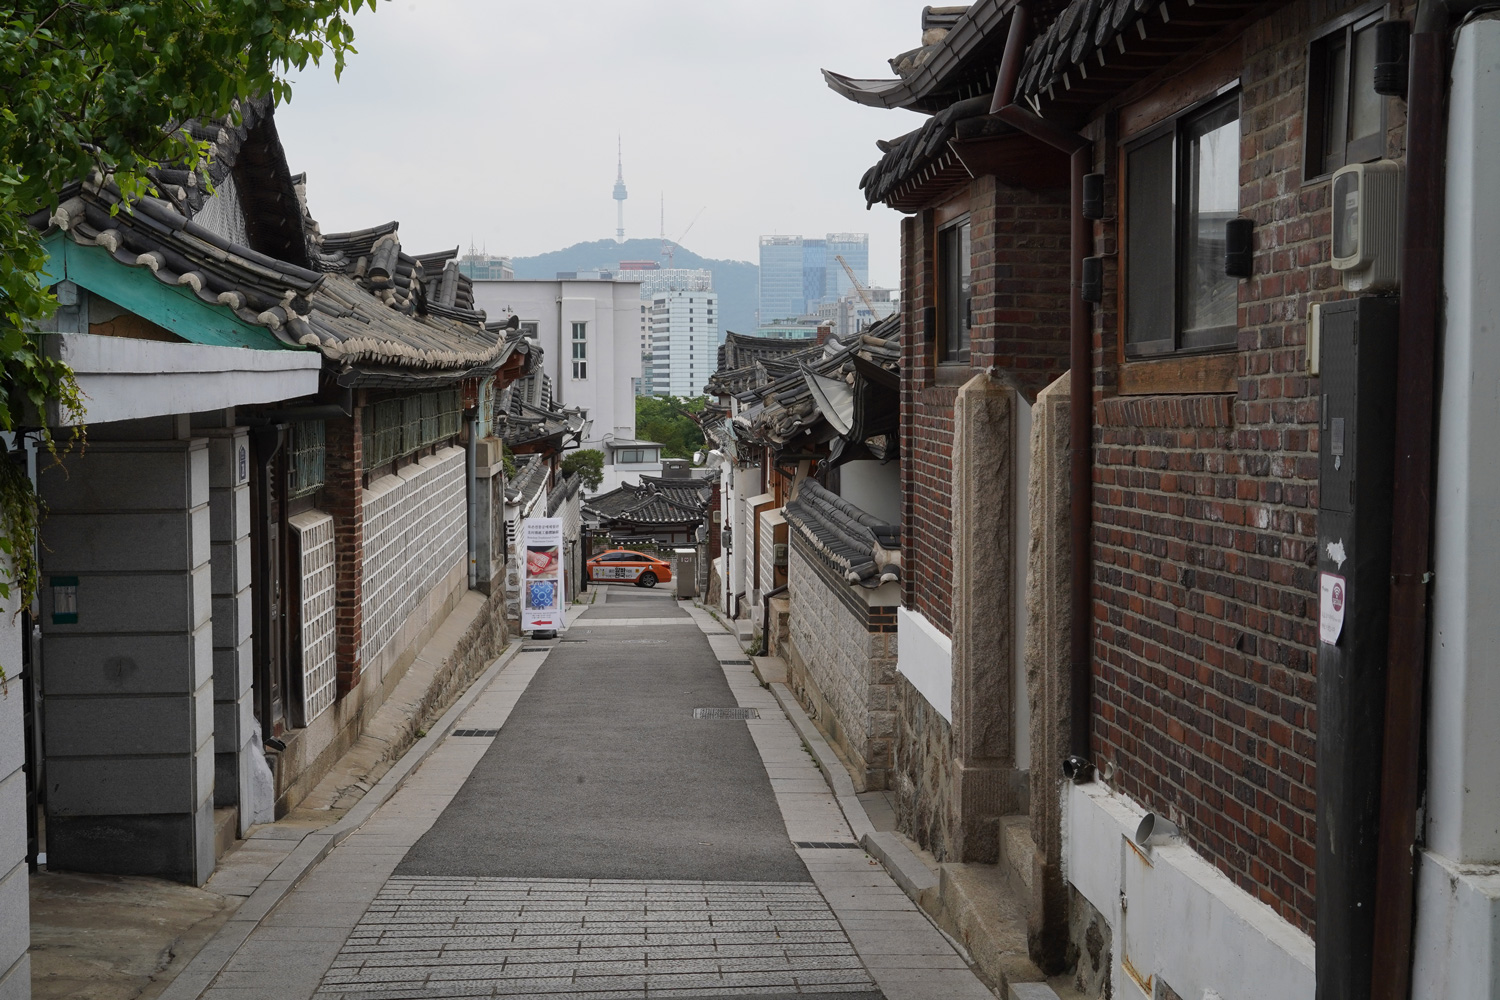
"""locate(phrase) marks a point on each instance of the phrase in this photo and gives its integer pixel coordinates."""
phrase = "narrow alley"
(625, 812)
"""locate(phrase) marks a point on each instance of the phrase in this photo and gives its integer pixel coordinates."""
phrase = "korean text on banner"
(543, 595)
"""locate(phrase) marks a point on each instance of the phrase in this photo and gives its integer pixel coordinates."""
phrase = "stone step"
(1017, 853)
(226, 829)
(769, 669)
(977, 906)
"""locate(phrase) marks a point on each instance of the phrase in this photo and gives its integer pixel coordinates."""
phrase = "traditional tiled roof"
(1079, 55)
(528, 482)
(373, 311)
(564, 492)
(739, 350)
(865, 549)
(845, 393)
(645, 506)
(689, 491)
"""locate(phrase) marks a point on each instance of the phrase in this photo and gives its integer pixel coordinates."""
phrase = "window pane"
(1336, 104)
(1364, 103)
(1209, 296)
(1149, 208)
(954, 278)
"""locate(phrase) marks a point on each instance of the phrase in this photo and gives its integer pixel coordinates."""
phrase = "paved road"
(609, 843)
(602, 771)
(582, 836)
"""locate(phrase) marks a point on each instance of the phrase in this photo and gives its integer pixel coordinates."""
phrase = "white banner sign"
(543, 594)
(1331, 601)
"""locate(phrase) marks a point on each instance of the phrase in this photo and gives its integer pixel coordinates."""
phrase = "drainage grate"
(535, 649)
(836, 845)
(726, 713)
(572, 640)
(735, 663)
(476, 732)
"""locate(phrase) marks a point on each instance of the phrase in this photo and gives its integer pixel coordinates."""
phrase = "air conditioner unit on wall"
(1367, 225)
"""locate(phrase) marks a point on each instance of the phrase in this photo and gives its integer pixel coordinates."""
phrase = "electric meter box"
(1367, 225)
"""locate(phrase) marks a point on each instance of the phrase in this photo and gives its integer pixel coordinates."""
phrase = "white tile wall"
(319, 613)
(414, 532)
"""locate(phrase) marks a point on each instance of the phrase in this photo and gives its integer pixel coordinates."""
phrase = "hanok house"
(271, 517)
(660, 511)
(816, 432)
(1196, 209)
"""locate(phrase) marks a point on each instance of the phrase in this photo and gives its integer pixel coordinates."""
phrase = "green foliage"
(507, 461)
(97, 91)
(665, 419)
(588, 463)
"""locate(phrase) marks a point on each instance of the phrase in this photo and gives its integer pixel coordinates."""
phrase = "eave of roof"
(974, 38)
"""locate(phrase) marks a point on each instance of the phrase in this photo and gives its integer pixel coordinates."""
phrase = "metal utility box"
(1356, 431)
(685, 571)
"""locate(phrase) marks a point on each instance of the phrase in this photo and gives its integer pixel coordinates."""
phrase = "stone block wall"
(414, 533)
(842, 660)
(922, 779)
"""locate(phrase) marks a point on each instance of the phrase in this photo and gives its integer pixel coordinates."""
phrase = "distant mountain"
(736, 281)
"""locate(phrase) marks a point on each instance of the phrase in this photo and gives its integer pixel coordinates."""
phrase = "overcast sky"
(495, 121)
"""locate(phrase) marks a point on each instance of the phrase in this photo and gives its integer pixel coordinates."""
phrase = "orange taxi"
(627, 566)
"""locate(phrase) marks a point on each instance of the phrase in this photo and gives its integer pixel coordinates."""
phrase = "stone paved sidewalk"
(354, 928)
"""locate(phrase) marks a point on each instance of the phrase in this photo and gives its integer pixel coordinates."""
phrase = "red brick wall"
(1205, 529)
(1019, 245)
(344, 493)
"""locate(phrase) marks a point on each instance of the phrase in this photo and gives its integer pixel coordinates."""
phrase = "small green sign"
(64, 600)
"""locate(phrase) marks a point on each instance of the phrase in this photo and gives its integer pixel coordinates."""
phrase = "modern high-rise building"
(855, 249)
(684, 341)
(797, 275)
(781, 278)
(486, 267)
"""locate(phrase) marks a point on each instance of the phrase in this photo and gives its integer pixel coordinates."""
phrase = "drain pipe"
(1416, 359)
(1080, 377)
(471, 497)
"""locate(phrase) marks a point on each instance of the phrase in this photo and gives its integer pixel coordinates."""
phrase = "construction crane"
(669, 249)
(857, 286)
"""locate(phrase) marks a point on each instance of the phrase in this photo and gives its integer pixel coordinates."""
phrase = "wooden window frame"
(1319, 163)
(1170, 359)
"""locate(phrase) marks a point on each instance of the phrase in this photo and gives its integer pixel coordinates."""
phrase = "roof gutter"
(1080, 375)
(1411, 560)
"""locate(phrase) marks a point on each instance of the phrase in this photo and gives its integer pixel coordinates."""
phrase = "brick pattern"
(1019, 246)
(1205, 528)
(319, 641)
(849, 658)
(415, 532)
(343, 492)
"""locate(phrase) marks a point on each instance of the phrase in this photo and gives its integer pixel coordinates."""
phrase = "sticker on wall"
(64, 600)
(1331, 602)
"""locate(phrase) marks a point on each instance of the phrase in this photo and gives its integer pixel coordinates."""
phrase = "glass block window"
(306, 459)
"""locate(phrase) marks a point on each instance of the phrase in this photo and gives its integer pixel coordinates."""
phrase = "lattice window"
(394, 428)
(307, 459)
(314, 530)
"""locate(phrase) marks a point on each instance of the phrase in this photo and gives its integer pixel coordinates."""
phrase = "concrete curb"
(199, 974)
(905, 868)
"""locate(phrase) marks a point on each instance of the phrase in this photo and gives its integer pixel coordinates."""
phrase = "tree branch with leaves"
(100, 90)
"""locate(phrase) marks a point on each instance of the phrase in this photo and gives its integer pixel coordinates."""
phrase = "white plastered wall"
(1173, 914)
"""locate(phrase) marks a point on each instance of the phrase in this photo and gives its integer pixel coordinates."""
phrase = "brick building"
(1139, 195)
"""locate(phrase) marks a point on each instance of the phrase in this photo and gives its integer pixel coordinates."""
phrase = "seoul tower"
(620, 195)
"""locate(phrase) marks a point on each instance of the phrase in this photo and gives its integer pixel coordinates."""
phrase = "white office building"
(590, 332)
(684, 341)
